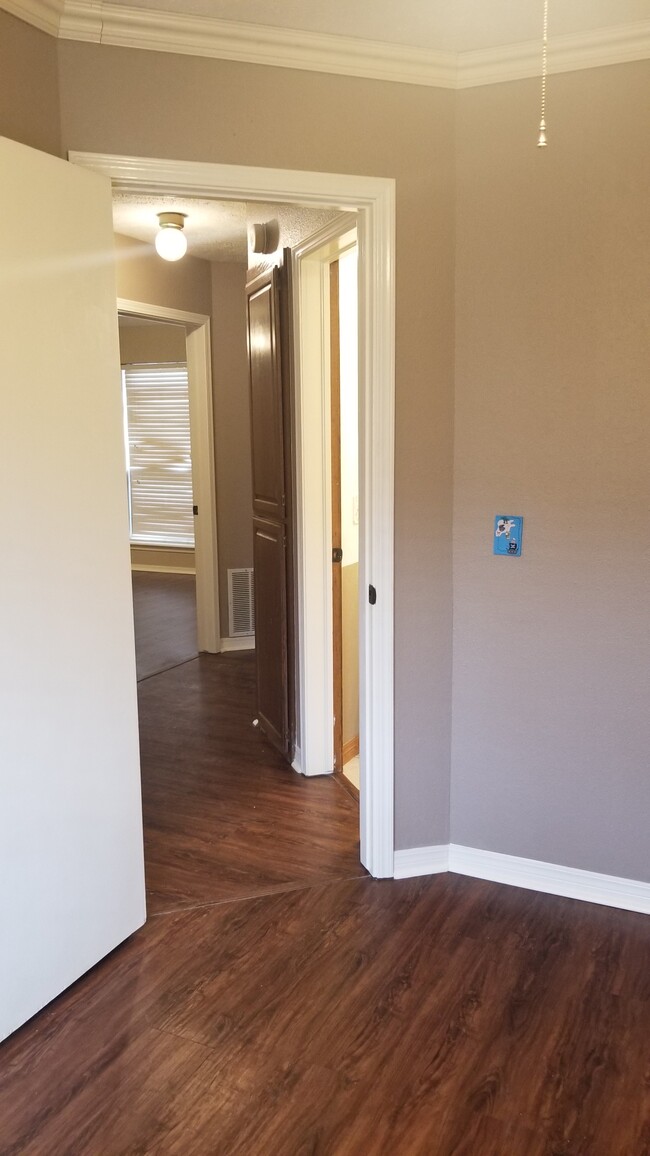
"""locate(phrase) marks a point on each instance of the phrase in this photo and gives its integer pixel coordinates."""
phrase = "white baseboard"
(246, 643)
(421, 861)
(297, 760)
(533, 874)
(551, 878)
(146, 568)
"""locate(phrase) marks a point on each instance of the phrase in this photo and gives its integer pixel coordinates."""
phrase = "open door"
(267, 315)
(71, 859)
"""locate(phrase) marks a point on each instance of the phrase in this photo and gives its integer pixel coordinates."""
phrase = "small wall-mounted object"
(264, 237)
(241, 602)
(508, 532)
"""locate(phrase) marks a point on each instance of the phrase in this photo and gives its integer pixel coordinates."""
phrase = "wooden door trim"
(373, 200)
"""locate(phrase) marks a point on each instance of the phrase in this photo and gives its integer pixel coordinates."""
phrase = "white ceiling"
(215, 230)
(439, 25)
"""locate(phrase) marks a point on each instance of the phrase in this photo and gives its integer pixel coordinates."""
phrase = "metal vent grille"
(241, 606)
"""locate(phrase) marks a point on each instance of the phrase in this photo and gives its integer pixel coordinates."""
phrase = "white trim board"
(532, 874)
(421, 861)
(231, 644)
(161, 312)
(551, 878)
(297, 760)
(149, 568)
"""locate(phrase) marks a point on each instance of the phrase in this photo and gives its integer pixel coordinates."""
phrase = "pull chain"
(541, 140)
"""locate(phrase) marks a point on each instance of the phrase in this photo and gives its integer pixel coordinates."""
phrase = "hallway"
(164, 611)
(225, 817)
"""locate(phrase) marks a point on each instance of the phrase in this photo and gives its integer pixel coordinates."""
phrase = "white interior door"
(71, 859)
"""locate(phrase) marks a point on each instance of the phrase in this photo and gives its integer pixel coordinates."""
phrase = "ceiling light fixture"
(541, 139)
(171, 242)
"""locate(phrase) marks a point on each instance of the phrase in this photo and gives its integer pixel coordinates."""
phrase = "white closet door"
(71, 859)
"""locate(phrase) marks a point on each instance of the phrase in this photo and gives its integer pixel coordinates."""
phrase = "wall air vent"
(241, 606)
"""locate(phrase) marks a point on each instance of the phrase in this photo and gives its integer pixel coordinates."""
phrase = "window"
(158, 454)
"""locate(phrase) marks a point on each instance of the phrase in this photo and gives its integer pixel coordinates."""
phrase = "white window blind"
(157, 412)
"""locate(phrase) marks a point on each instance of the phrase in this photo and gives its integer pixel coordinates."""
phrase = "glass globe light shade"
(171, 243)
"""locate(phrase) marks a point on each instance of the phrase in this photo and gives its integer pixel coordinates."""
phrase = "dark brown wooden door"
(267, 305)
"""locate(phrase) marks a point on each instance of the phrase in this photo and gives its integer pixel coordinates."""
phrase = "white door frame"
(373, 199)
(199, 379)
(311, 261)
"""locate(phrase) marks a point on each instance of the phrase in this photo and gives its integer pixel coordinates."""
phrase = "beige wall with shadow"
(146, 344)
(29, 85)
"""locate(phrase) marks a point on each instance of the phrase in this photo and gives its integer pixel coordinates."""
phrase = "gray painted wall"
(551, 652)
(551, 717)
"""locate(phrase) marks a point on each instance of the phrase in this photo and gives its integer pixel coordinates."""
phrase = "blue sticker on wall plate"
(508, 531)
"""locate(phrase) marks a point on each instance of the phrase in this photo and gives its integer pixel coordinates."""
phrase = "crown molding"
(120, 25)
(619, 45)
(43, 14)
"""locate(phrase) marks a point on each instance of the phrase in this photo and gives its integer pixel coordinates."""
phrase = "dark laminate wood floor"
(339, 1016)
(164, 608)
(225, 817)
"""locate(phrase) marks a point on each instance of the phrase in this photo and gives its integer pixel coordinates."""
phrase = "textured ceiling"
(215, 230)
(442, 25)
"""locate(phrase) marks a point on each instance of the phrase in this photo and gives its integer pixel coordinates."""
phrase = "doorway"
(344, 407)
(155, 399)
(373, 201)
(196, 329)
(326, 277)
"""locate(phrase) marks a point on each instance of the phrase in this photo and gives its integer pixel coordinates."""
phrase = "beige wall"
(231, 424)
(124, 101)
(143, 276)
(552, 650)
(29, 85)
(141, 344)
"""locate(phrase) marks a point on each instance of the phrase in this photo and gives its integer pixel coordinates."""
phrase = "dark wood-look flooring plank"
(347, 1018)
(282, 1008)
(225, 817)
(164, 611)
